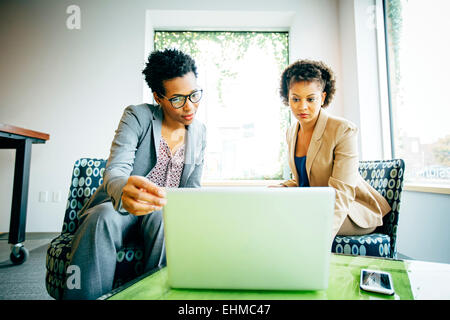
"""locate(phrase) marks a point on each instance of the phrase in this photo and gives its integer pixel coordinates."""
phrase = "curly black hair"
(166, 65)
(308, 70)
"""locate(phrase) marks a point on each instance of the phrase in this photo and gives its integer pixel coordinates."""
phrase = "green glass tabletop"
(343, 285)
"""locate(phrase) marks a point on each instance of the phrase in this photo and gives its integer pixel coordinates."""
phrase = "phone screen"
(377, 280)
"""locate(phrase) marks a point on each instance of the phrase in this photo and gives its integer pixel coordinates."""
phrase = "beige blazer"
(332, 160)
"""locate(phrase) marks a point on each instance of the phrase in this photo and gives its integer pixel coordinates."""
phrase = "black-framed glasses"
(179, 101)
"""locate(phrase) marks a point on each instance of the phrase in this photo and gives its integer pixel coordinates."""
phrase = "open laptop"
(249, 237)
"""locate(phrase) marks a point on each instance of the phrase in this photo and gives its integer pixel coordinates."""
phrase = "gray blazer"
(134, 152)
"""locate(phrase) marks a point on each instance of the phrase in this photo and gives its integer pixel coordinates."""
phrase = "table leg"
(20, 192)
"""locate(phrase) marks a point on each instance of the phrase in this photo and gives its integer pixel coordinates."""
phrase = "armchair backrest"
(87, 176)
(386, 176)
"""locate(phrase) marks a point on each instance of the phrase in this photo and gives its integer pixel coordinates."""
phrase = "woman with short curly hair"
(156, 146)
(323, 149)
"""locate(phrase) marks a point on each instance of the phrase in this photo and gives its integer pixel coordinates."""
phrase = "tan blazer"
(332, 160)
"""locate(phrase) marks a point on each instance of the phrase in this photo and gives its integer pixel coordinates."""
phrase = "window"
(418, 51)
(241, 108)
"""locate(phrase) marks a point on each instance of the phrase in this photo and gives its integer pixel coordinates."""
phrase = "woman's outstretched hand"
(140, 196)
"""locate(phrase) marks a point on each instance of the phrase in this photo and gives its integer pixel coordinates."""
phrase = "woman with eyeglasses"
(323, 149)
(154, 147)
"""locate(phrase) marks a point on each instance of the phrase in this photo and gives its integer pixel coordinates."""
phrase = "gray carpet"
(25, 281)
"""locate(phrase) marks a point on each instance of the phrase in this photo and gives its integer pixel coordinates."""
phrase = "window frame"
(383, 53)
(284, 164)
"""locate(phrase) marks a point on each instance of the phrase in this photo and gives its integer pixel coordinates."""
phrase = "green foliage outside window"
(394, 13)
(225, 50)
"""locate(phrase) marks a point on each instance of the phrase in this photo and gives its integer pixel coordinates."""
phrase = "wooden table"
(21, 139)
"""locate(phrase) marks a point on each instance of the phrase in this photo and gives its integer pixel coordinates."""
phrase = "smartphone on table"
(376, 281)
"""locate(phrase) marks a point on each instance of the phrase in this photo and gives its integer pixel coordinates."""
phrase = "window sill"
(441, 189)
(240, 183)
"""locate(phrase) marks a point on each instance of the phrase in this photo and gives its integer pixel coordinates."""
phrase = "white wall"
(347, 35)
(74, 84)
(424, 220)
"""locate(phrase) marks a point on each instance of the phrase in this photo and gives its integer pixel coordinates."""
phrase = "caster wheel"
(19, 256)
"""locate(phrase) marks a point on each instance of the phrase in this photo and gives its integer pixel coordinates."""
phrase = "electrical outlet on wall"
(56, 196)
(43, 196)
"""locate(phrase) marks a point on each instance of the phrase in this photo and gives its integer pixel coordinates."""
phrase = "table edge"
(24, 132)
(128, 284)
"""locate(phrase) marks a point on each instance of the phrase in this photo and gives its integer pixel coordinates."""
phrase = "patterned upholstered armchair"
(386, 176)
(86, 178)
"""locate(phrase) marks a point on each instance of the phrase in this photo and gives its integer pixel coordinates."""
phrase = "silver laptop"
(249, 237)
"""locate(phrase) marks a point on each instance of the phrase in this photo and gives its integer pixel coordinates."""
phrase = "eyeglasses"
(179, 101)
